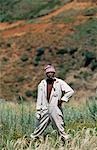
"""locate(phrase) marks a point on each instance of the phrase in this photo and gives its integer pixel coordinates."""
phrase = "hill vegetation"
(67, 37)
(27, 9)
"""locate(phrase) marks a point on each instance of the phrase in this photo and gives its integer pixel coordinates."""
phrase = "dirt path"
(21, 27)
(72, 5)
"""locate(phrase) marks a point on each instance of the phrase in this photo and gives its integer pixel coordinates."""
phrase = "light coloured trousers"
(54, 115)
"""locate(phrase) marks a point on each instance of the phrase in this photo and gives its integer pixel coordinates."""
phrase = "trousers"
(54, 115)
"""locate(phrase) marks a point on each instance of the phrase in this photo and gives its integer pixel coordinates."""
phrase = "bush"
(30, 93)
(5, 59)
(8, 44)
(34, 93)
(40, 51)
(93, 41)
(20, 78)
(85, 31)
(69, 50)
(94, 65)
(63, 69)
(36, 60)
(61, 51)
(90, 11)
(88, 57)
(29, 48)
(24, 57)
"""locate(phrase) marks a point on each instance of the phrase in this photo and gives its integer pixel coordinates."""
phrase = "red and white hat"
(49, 68)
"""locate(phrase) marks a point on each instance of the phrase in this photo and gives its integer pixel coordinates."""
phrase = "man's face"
(50, 75)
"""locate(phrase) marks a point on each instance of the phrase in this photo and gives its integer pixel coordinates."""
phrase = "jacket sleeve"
(39, 98)
(67, 90)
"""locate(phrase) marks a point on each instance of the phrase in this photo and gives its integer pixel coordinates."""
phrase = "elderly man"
(52, 92)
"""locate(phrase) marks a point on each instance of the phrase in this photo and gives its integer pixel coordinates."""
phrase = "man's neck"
(50, 80)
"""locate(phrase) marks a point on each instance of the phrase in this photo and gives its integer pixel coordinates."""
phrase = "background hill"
(27, 9)
(33, 34)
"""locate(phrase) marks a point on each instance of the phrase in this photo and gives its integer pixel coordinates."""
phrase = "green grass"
(85, 38)
(18, 120)
(87, 31)
(26, 9)
(66, 16)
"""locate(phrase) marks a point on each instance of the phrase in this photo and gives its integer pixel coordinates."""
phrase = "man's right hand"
(60, 103)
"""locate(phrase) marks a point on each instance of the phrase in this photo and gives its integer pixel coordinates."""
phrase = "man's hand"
(60, 103)
(38, 114)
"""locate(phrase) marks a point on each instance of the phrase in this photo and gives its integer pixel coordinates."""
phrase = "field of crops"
(17, 121)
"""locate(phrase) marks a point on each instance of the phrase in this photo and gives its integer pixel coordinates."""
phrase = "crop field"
(17, 122)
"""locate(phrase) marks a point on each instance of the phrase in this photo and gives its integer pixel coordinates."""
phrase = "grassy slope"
(26, 9)
(68, 40)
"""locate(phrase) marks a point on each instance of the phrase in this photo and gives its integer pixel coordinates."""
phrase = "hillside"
(66, 37)
(11, 11)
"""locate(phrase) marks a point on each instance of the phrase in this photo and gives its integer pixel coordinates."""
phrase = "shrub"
(69, 50)
(40, 51)
(93, 41)
(84, 75)
(29, 48)
(20, 78)
(69, 20)
(61, 51)
(86, 30)
(36, 60)
(94, 65)
(88, 57)
(8, 44)
(24, 57)
(5, 59)
(63, 69)
(30, 93)
(34, 93)
(90, 11)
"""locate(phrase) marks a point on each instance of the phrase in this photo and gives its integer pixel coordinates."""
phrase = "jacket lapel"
(45, 88)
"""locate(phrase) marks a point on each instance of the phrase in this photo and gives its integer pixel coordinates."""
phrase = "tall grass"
(17, 122)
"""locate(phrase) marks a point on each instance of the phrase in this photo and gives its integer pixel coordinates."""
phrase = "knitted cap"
(49, 68)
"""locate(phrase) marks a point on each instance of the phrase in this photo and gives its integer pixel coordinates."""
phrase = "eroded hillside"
(67, 37)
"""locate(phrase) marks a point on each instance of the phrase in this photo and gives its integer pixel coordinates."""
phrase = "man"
(52, 92)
